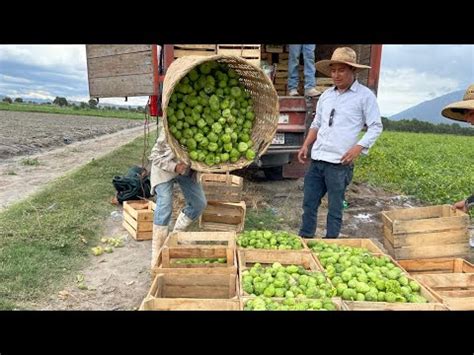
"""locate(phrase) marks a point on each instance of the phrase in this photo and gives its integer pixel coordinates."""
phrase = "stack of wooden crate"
(277, 56)
(180, 284)
(249, 52)
(182, 50)
(225, 209)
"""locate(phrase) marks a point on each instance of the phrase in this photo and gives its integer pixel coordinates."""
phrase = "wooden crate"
(222, 187)
(426, 232)
(197, 244)
(350, 242)
(223, 216)
(304, 249)
(138, 218)
(340, 305)
(182, 50)
(249, 52)
(248, 257)
(170, 291)
(452, 279)
(434, 303)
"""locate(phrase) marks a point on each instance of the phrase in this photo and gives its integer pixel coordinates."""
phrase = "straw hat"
(342, 55)
(455, 110)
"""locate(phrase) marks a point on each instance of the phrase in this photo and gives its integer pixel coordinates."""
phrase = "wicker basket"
(256, 83)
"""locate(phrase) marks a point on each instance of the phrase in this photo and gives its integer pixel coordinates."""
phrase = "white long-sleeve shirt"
(352, 109)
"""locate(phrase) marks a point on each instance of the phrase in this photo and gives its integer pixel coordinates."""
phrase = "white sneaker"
(294, 92)
(312, 92)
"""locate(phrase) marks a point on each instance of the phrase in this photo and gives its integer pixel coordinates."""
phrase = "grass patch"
(41, 238)
(262, 218)
(30, 162)
(69, 110)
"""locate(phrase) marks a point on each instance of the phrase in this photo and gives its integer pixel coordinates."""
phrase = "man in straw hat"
(341, 113)
(165, 171)
(462, 111)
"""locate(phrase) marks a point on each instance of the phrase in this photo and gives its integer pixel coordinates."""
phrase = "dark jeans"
(322, 178)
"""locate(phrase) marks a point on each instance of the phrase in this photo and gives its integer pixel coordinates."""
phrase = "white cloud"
(59, 58)
(13, 79)
(402, 88)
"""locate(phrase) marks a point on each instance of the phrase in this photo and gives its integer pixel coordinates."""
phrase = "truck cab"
(139, 70)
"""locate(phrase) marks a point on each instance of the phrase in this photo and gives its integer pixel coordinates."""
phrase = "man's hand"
(302, 154)
(351, 155)
(461, 205)
(180, 168)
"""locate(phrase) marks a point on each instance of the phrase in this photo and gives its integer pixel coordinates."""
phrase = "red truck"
(139, 70)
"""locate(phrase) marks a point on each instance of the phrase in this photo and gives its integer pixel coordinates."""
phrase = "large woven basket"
(256, 83)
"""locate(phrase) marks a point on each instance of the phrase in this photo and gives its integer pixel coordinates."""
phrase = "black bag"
(133, 186)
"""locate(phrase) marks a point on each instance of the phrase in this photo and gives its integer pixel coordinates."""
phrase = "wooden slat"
(178, 53)
(121, 65)
(196, 46)
(415, 213)
(429, 265)
(430, 225)
(456, 293)
(121, 86)
(385, 306)
(138, 226)
(137, 235)
(425, 239)
(202, 238)
(459, 303)
(450, 280)
(245, 53)
(432, 251)
(193, 252)
(100, 50)
(182, 304)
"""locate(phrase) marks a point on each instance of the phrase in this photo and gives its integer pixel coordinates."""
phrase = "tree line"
(63, 102)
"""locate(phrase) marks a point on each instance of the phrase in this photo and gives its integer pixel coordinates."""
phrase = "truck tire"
(274, 173)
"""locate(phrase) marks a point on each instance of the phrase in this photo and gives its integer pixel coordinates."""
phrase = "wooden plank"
(449, 280)
(430, 225)
(120, 65)
(425, 239)
(137, 235)
(202, 238)
(415, 213)
(244, 53)
(138, 226)
(456, 293)
(178, 53)
(100, 50)
(274, 48)
(385, 306)
(432, 251)
(182, 304)
(459, 303)
(281, 74)
(121, 86)
(211, 47)
(428, 265)
(387, 233)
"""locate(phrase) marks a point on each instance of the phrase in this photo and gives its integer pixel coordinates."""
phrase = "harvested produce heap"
(269, 240)
(211, 114)
(360, 276)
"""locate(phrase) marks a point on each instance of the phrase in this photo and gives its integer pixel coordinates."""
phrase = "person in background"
(309, 69)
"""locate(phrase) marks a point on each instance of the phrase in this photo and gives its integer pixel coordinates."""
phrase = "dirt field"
(24, 133)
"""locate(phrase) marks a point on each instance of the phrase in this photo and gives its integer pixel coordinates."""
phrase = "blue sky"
(410, 74)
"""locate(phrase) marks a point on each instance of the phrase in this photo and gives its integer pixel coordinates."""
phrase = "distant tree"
(60, 101)
(93, 103)
(84, 105)
(7, 99)
(19, 99)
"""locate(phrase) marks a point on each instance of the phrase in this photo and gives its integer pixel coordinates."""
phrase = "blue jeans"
(294, 61)
(322, 178)
(193, 193)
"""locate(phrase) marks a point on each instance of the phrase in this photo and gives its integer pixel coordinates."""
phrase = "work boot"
(312, 92)
(294, 92)
(159, 236)
(182, 222)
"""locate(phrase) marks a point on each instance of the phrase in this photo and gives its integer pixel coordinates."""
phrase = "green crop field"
(436, 168)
